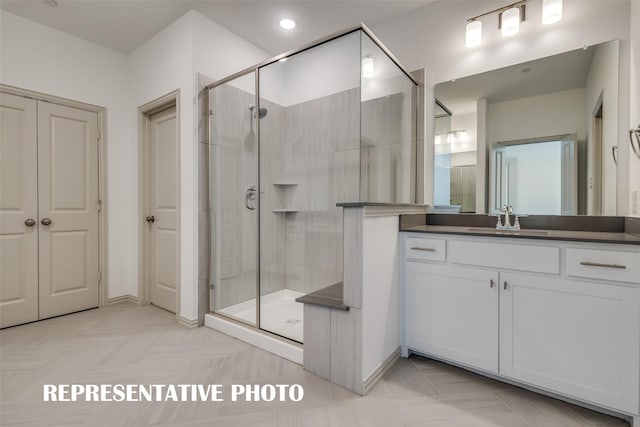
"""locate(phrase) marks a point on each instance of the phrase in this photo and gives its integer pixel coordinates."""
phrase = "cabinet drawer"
(606, 265)
(539, 259)
(425, 249)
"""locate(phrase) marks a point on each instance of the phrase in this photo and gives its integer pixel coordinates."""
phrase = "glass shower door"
(234, 199)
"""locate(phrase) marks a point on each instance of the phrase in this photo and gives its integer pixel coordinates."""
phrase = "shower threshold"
(281, 316)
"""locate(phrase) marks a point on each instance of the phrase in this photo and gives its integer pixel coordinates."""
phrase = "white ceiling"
(123, 25)
(547, 75)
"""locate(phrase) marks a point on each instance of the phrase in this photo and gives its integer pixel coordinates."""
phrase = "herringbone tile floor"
(127, 344)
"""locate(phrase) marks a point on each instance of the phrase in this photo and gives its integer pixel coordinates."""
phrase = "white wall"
(332, 68)
(42, 59)
(171, 60)
(561, 112)
(601, 84)
(381, 250)
(39, 58)
(433, 37)
(162, 65)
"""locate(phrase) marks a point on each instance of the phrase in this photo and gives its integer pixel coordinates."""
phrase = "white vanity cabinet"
(575, 337)
(453, 312)
(561, 316)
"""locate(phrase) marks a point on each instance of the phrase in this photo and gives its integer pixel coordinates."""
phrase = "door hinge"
(99, 205)
(212, 286)
(99, 277)
(99, 135)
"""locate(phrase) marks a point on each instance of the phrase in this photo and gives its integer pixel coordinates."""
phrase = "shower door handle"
(250, 197)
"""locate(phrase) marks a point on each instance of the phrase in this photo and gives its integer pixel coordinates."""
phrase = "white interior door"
(18, 211)
(569, 171)
(497, 198)
(68, 209)
(162, 212)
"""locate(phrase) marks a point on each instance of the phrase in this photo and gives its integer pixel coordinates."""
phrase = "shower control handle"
(250, 197)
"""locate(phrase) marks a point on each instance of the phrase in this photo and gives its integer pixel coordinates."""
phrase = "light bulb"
(287, 24)
(474, 33)
(510, 21)
(551, 11)
(368, 68)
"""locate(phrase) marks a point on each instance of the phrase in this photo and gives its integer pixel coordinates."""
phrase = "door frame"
(103, 211)
(145, 111)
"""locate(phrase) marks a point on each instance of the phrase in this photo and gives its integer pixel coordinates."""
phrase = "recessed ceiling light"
(287, 24)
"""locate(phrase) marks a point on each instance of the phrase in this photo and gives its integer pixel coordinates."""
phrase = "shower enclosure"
(288, 140)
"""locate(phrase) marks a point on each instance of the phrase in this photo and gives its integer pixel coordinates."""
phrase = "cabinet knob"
(505, 285)
(491, 283)
(46, 221)
(30, 222)
(151, 218)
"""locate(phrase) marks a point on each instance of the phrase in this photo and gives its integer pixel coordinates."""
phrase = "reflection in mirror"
(547, 129)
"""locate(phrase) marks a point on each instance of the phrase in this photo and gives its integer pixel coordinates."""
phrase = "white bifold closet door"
(49, 158)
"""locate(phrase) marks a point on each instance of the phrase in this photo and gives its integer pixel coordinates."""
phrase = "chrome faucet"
(506, 225)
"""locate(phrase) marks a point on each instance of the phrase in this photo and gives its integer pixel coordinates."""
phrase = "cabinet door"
(574, 337)
(452, 312)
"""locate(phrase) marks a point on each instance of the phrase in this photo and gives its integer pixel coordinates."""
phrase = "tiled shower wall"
(321, 156)
(310, 160)
(386, 149)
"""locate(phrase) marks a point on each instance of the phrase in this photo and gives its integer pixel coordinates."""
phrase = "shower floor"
(279, 313)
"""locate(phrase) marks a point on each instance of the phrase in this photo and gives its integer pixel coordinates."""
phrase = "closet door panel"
(18, 205)
(68, 207)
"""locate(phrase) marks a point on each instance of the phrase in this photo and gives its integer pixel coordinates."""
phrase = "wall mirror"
(546, 131)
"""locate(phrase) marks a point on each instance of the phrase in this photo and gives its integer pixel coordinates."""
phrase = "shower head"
(262, 112)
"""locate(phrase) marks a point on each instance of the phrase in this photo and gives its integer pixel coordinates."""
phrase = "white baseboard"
(123, 298)
(377, 375)
(189, 323)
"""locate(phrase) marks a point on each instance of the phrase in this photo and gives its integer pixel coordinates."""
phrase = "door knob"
(45, 221)
(30, 222)
(151, 218)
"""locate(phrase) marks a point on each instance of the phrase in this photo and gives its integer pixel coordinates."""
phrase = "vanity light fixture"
(551, 11)
(474, 33)
(368, 67)
(287, 24)
(452, 137)
(510, 22)
(509, 19)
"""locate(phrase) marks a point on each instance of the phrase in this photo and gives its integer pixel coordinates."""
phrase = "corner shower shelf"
(286, 210)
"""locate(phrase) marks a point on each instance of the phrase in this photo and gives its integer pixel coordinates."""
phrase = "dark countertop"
(596, 229)
(329, 297)
(389, 205)
(579, 236)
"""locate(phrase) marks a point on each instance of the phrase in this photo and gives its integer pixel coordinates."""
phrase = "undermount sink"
(519, 232)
